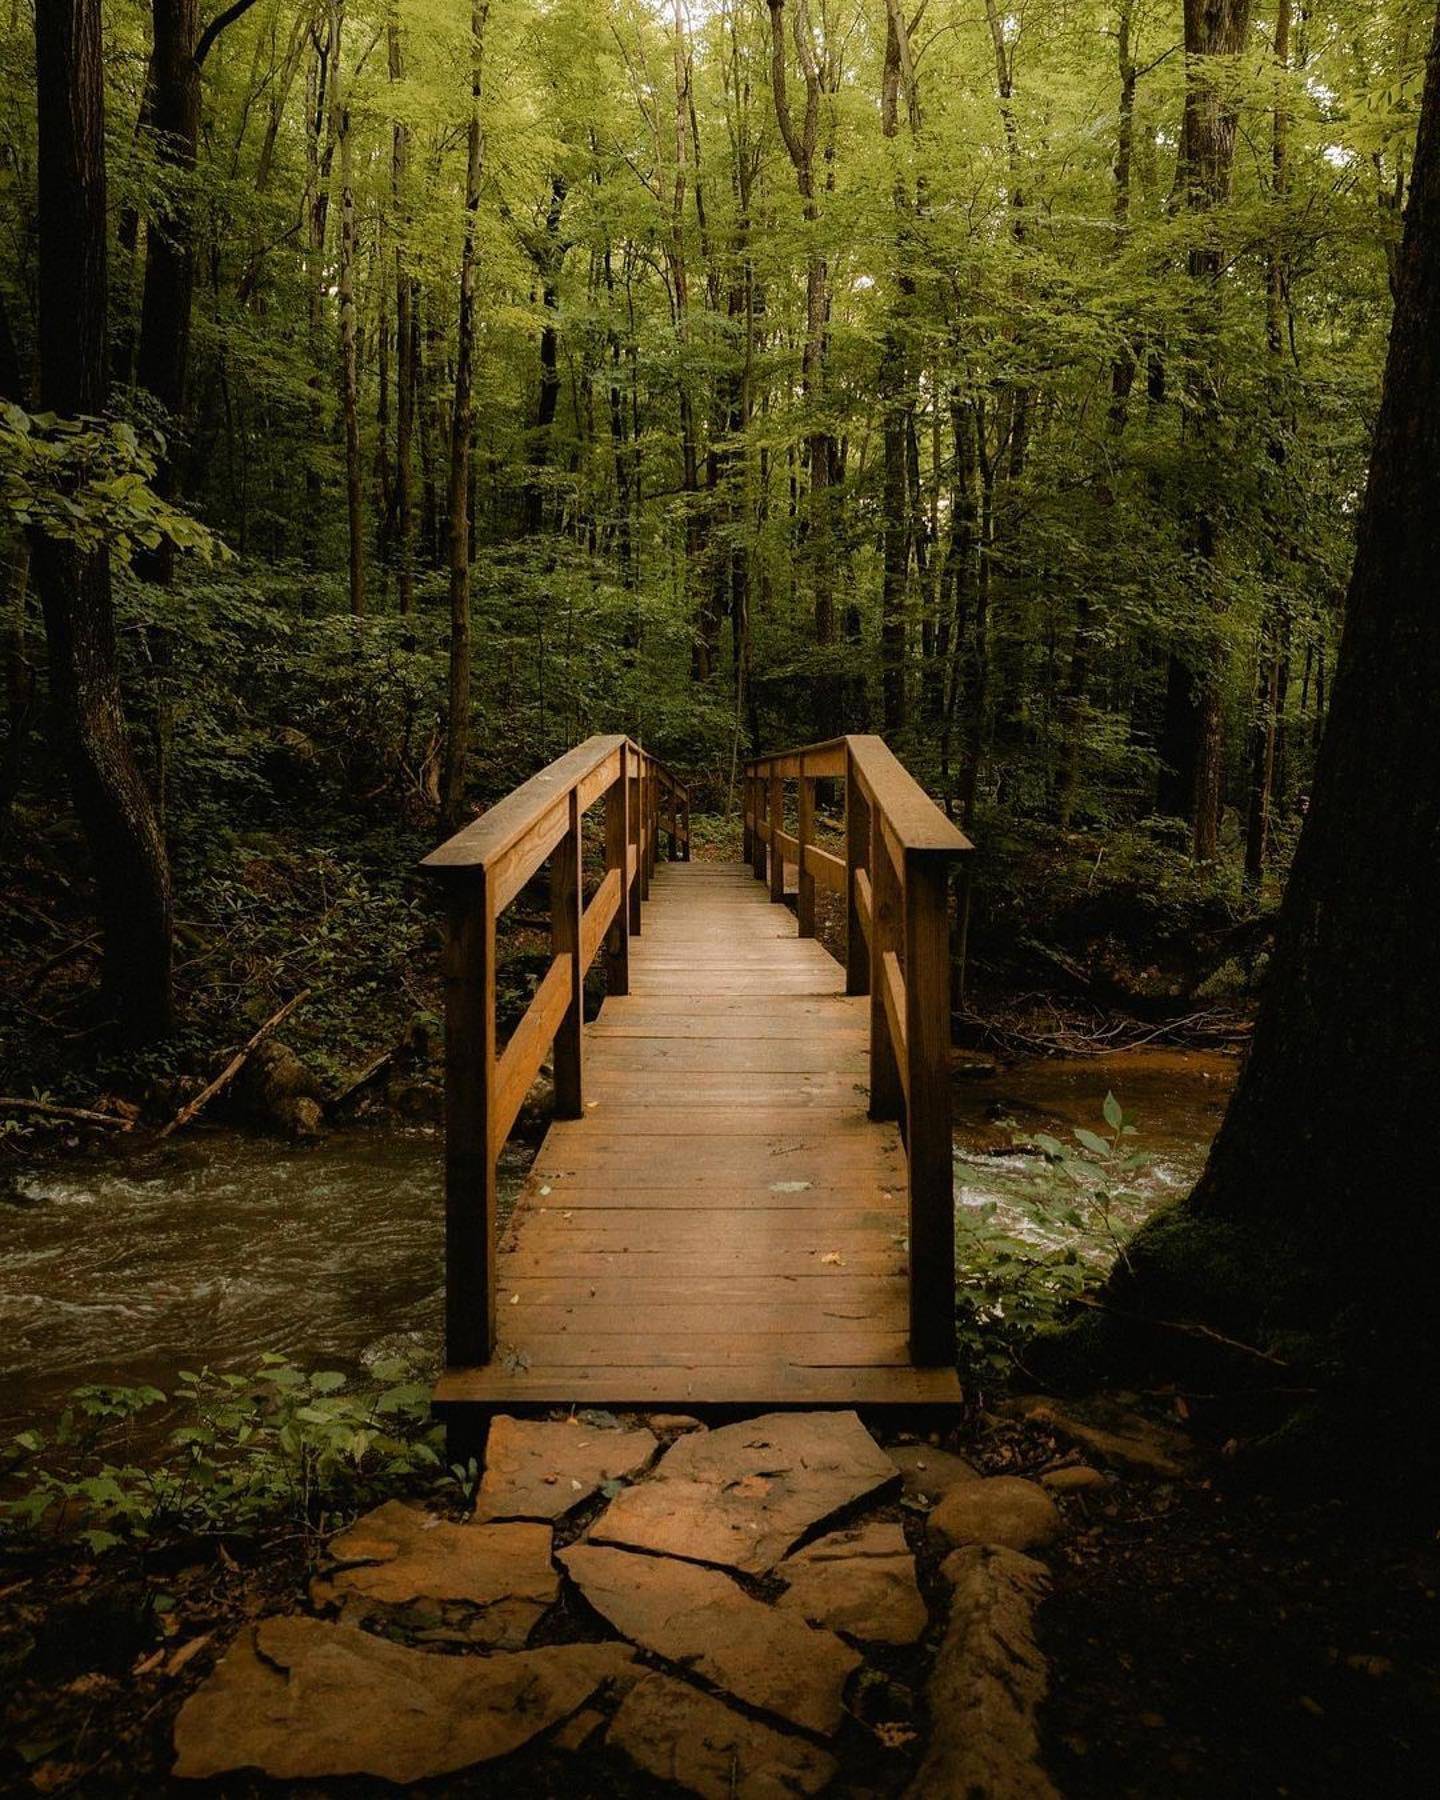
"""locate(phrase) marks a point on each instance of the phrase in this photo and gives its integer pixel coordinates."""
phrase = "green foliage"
(251, 1452)
(1009, 1285)
(88, 482)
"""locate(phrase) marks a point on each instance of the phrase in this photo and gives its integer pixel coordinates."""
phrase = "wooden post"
(644, 840)
(747, 815)
(685, 824)
(857, 855)
(567, 902)
(617, 851)
(470, 1187)
(886, 930)
(757, 842)
(927, 1111)
(805, 831)
(632, 825)
(674, 824)
(777, 825)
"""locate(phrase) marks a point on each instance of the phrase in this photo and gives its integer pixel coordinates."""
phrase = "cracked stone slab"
(702, 1619)
(536, 1469)
(400, 1556)
(1001, 1509)
(301, 1699)
(677, 1734)
(745, 1494)
(988, 1682)
(859, 1582)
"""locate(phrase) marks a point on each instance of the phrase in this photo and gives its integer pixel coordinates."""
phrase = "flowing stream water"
(218, 1247)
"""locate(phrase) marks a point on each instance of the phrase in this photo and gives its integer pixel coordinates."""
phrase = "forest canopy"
(732, 373)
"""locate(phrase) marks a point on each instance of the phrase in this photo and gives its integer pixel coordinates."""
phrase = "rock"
(988, 1683)
(1075, 1478)
(300, 1699)
(1003, 1509)
(927, 1473)
(702, 1619)
(677, 1734)
(1111, 1432)
(538, 1470)
(861, 1582)
(278, 1092)
(745, 1494)
(398, 1556)
(676, 1422)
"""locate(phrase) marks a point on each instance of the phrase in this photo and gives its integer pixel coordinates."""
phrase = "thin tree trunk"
(457, 736)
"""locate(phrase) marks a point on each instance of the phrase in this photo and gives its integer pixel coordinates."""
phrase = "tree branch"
(212, 31)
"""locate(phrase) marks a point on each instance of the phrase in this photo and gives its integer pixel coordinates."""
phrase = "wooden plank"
(599, 915)
(821, 1287)
(864, 913)
(767, 1383)
(529, 1044)
(502, 828)
(886, 1094)
(644, 1056)
(912, 816)
(567, 900)
(682, 1319)
(776, 815)
(893, 986)
(622, 1350)
(617, 858)
(825, 868)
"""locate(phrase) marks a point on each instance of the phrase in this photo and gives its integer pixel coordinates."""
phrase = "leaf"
(1114, 1115)
(1091, 1141)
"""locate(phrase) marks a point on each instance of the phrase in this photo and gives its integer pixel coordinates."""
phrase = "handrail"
(894, 878)
(482, 868)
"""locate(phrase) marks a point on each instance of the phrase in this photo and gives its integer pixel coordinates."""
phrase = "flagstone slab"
(702, 1619)
(745, 1494)
(677, 1734)
(859, 1582)
(302, 1699)
(537, 1469)
(400, 1556)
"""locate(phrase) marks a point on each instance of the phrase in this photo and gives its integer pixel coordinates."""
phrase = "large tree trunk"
(1319, 1193)
(349, 353)
(132, 876)
(457, 733)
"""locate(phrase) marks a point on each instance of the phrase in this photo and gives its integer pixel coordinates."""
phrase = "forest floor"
(1201, 1639)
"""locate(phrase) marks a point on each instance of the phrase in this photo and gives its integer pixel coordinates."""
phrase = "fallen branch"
(79, 1114)
(1186, 1328)
(234, 1066)
(375, 1067)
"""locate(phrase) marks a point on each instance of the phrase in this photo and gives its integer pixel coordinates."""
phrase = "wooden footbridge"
(746, 1196)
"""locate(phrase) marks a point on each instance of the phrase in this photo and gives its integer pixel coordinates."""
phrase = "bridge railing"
(894, 879)
(482, 869)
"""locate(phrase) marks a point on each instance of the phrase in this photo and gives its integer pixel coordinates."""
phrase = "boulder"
(859, 1582)
(988, 1683)
(279, 1093)
(1111, 1432)
(744, 1495)
(926, 1473)
(300, 1699)
(538, 1470)
(1002, 1509)
(703, 1620)
(679, 1735)
(400, 1556)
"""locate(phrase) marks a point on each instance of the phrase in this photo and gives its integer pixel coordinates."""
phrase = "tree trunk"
(405, 349)
(457, 735)
(132, 875)
(349, 355)
(1319, 1192)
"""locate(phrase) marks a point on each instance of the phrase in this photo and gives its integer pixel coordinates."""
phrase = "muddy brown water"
(220, 1247)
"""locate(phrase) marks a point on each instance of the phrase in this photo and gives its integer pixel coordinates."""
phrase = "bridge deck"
(725, 1225)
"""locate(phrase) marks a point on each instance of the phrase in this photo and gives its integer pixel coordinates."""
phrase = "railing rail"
(482, 869)
(894, 878)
